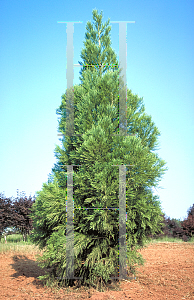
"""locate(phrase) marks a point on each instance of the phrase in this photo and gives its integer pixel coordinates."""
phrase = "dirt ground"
(168, 273)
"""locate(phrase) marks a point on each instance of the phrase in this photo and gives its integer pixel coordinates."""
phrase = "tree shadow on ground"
(24, 266)
(28, 268)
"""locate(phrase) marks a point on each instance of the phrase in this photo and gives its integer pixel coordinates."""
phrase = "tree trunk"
(24, 237)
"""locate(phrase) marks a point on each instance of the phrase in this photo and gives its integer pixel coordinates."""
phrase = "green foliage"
(98, 51)
(96, 181)
(48, 213)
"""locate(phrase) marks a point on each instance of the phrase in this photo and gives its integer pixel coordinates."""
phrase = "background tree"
(14, 215)
(21, 215)
(96, 181)
(171, 228)
(188, 223)
(6, 214)
(190, 211)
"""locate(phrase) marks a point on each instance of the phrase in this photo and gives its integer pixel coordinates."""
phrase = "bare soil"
(168, 273)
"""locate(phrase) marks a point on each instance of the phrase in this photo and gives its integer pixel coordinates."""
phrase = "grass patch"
(15, 243)
(13, 238)
(18, 248)
(170, 240)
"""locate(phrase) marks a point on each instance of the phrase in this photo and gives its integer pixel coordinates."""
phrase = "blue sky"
(160, 68)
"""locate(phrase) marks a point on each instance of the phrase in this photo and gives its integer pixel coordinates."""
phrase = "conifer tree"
(96, 181)
(98, 54)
